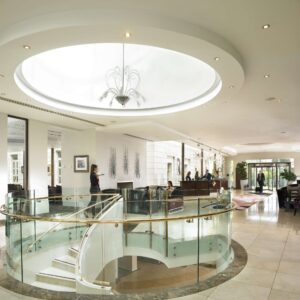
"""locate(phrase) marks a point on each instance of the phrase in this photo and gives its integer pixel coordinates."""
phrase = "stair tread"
(68, 259)
(57, 272)
(55, 287)
(76, 248)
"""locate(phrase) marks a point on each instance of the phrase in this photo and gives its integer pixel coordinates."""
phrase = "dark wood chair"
(293, 198)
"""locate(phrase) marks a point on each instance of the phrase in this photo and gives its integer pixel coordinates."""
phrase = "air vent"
(138, 137)
(48, 111)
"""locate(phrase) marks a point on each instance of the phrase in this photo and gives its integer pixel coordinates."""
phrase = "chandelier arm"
(127, 81)
(107, 92)
(134, 75)
(113, 91)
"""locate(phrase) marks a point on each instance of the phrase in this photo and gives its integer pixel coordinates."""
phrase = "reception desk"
(202, 187)
(218, 183)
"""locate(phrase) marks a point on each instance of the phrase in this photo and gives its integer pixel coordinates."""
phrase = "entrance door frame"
(267, 165)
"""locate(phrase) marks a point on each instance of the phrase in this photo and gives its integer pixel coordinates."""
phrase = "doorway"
(271, 171)
(17, 153)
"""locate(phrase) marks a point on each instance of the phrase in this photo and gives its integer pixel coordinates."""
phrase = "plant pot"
(244, 183)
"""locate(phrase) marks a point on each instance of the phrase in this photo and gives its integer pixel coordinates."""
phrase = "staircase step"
(73, 252)
(52, 287)
(67, 258)
(66, 263)
(57, 276)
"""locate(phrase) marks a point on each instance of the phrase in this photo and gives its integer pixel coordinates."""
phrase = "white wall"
(98, 146)
(3, 159)
(263, 155)
(37, 157)
(76, 143)
(104, 143)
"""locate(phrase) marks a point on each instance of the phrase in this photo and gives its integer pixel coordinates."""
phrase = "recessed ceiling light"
(2, 76)
(273, 99)
(231, 86)
(270, 99)
(267, 75)
(266, 26)
(27, 47)
(127, 35)
(217, 58)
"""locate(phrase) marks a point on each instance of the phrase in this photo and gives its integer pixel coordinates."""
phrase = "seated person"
(170, 188)
(188, 176)
(207, 176)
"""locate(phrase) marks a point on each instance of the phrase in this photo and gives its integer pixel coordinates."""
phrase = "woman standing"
(94, 187)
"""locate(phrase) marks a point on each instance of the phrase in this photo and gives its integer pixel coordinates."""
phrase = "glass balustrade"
(132, 241)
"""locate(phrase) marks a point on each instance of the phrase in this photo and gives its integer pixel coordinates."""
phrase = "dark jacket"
(94, 188)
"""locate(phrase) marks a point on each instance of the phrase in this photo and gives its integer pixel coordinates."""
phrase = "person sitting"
(188, 176)
(170, 188)
(207, 176)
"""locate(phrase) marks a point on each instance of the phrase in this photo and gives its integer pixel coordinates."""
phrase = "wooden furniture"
(293, 197)
(218, 183)
(202, 187)
(195, 188)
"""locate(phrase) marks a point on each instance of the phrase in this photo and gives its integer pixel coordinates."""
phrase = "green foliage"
(241, 169)
(289, 176)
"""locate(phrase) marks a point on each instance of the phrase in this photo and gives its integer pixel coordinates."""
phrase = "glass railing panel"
(149, 228)
(14, 247)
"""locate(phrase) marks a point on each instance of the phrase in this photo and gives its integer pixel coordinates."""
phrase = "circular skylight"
(158, 80)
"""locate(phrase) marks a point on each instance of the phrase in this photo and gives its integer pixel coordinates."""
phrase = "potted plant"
(241, 169)
(289, 176)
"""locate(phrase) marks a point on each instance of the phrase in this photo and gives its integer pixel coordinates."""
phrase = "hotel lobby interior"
(189, 109)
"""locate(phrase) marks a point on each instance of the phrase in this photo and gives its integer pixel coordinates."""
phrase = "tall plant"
(288, 175)
(241, 169)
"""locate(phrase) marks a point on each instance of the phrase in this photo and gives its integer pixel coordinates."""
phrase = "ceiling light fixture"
(127, 35)
(266, 26)
(122, 84)
(267, 75)
(217, 58)
(27, 47)
(272, 99)
(231, 86)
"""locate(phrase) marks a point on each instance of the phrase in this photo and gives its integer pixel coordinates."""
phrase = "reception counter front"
(202, 187)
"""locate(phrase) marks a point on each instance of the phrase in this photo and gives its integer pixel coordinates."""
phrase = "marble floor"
(272, 240)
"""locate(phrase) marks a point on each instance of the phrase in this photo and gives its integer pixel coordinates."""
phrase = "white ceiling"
(76, 77)
(237, 117)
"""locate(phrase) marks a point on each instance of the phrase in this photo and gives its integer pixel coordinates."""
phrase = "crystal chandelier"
(122, 85)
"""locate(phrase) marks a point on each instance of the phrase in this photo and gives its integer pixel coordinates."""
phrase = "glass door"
(271, 171)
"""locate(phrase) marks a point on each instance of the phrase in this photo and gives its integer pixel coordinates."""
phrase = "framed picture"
(81, 163)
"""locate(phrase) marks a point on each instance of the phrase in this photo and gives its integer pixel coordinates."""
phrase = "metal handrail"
(124, 221)
(68, 216)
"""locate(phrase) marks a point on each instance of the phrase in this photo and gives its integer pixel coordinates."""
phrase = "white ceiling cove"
(73, 78)
(254, 64)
